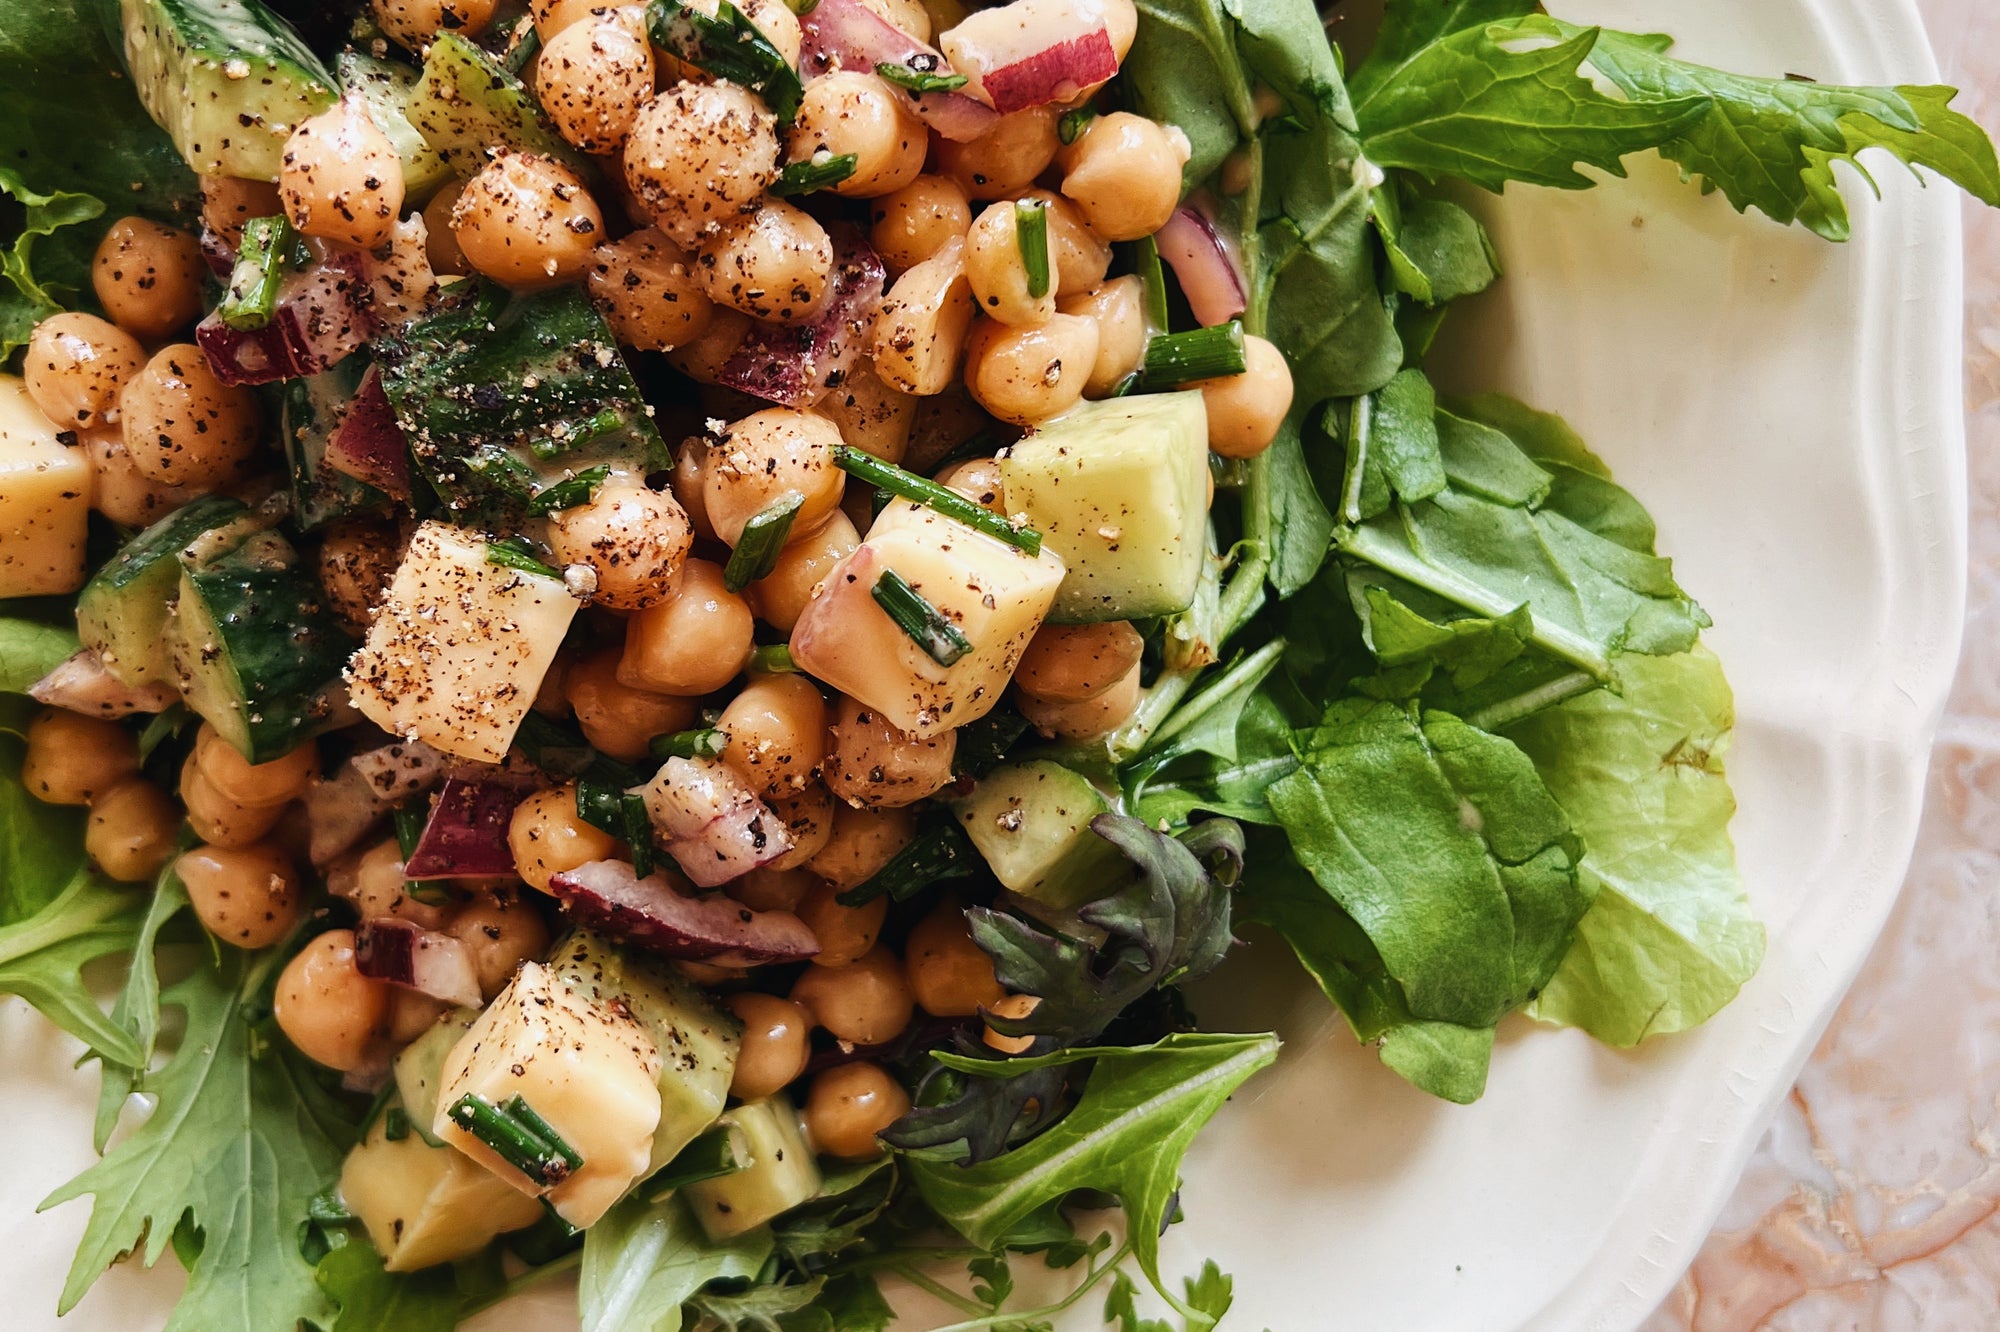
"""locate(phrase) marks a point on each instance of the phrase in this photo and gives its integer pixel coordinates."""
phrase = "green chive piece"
(802, 7)
(919, 75)
(728, 46)
(939, 852)
(706, 743)
(517, 552)
(519, 1108)
(814, 174)
(252, 297)
(519, 1136)
(763, 540)
(410, 822)
(1148, 267)
(396, 1124)
(1173, 359)
(922, 490)
(1129, 385)
(1031, 232)
(422, 890)
(1073, 123)
(527, 45)
(924, 623)
(710, 1156)
(570, 492)
(773, 659)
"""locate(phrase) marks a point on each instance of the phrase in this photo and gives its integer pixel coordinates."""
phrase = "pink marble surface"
(1873, 1204)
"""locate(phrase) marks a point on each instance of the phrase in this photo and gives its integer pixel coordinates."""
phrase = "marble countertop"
(1873, 1203)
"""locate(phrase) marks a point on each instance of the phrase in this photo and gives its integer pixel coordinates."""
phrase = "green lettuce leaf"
(30, 649)
(26, 298)
(643, 1261)
(1669, 938)
(1437, 251)
(372, 1300)
(1390, 441)
(43, 956)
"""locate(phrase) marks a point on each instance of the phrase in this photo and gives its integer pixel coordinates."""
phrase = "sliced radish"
(713, 825)
(82, 685)
(846, 34)
(369, 445)
(653, 914)
(321, 318)
(466, 835)
(795, 365)
(1031, 52)
(427, 961)
(1205, 266)
(341, 808)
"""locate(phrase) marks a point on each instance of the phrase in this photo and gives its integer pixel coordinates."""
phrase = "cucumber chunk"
(228, 80)
(469, 109)
(122, 612)
(387, 88)
(781, 1174)
(419, 1067)
(1032, 823)
(1118, 489)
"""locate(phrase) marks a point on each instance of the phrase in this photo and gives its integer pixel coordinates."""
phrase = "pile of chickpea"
(699, 252)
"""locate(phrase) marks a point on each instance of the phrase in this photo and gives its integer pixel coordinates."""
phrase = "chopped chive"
(410, 822)
(1073, 123)
(430, 894)
(327, 1209)
(924, 623)
(919, 74)
(878, 500)
(1129, 385)
(516, 552)
(706, 743)
(710, 1156)
(252, 297)
(499, 468)
(638, 831)
(1155, 278)
(547, 1240)
(1031, 232)
(571, 492)
(941, 851)
(396, 1124)
(519, 1136)
(728, 46)
(527, 45)
(814, 174)
(763, 540)
(802, 7)
(1173, 359)
(773, 659)
(983, 743)
(921, 490)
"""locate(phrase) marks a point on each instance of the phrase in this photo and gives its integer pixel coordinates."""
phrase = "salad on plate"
(651, 639)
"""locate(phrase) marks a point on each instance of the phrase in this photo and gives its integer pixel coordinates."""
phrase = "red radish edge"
(795, 365)
(846, 34)
(1059, 73)
(369, 445)
(652, 914)
(466, 835)
(321, 318)
(414, 958)
(1190, 245)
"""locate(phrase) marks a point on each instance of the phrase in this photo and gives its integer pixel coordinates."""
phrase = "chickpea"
(776, 729)
(247, 896)
(780, 26)
(619, 718)
(1072, 663)
(341, 180)
(916, 221)
(185, 427)
(1082, 256)
(375, 884)
(148, 278)
(71, 760)
(768, 889)
(548, 837)
(689, 479)
(357, 558)
(701, 154)
(808, 817)
(702, 358)
(861, 843)
(633, 538)
(1119, 310)
(765, 457)
(554, 16)
(227, 203)
(1030, 375)
(75, 367)
(440, 242)
(327, 1009)
(871, 764)
(499, 934)
(277, 782)
(998, 271)
(918, 337)
(1014, 1006)
(527, 222)
(979, 480)
(865, 1002)
(593, 77)
(1089, 719)
(412, 24)
(780, 597)
(693, 644)
(411, 1014)
(908, 16)
(130, 835)
(1124, 171)
(870, 415)
(849, 1104)
(119, 490)
(708, 975)
(848, 111)
(1245, 411)
(772, 264)
(1004, 161)
(1121, 24)
(949, 973)
(845, 933)
(645, 286)
(775, 1048)
(219, 821)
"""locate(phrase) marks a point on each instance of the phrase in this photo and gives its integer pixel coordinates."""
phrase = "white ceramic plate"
(1790, 410)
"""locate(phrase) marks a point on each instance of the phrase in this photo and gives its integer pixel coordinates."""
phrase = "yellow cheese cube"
(44, 500)
(423, 1205)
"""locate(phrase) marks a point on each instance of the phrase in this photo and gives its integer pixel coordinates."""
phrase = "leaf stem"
(1090, 1282)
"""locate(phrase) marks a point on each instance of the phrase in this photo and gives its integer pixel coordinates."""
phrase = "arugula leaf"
(1139, 1111)
(1211, 1292)
(762, 1307)
(372, 1300)
(974, 1121)
(1580, 485)
(30, 649)
(42, 960)
(234, 1151)
(31, 298)
(642, 1262)
(1390, 438)
(137, 1008)
(850, 1200)
(1438, 252)
(1669, 938)
(1770, 144)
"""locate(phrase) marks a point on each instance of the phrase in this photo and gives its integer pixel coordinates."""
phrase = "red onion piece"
(1032, 52)
(795, 365)
(1201, 259)
(407, 955)
(713, 826)
(466, 835)
(846, 34)
(82, 685)
(218, 254)
(369, 445)
(341, 808)
(1058, 73)
(651, 913)
(322, 317)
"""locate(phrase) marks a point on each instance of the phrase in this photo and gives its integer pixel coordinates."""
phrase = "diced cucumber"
(1119, 489)
(255, 650)
(698, 1042)
(122, 612)
(387, 88)
(469, 108)
(1032, 823)
(501, 398)
(227, 79)
(313, 410)
(419, 1068)
(423, 1204)
(781, 1174)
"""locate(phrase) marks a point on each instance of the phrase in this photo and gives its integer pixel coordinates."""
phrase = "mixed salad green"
(1430, 704)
